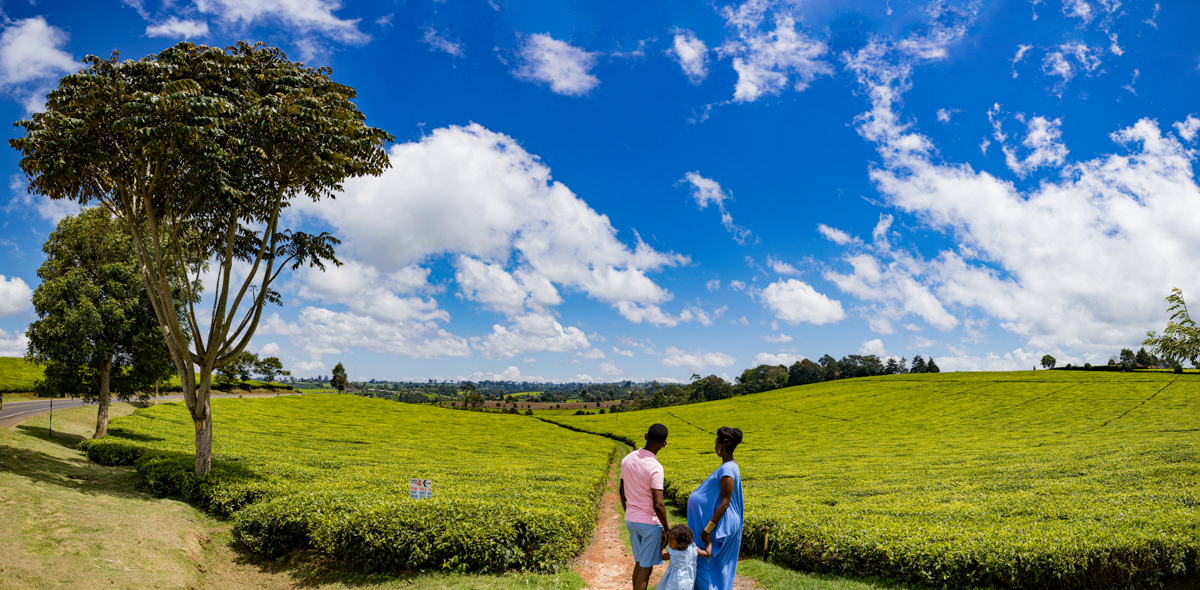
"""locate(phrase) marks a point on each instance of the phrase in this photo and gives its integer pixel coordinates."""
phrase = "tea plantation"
(1040, 479)
(331, 472)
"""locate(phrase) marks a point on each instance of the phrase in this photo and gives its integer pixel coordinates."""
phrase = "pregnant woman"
(714, 512)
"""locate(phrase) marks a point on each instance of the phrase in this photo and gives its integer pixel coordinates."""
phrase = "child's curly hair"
(682, 533)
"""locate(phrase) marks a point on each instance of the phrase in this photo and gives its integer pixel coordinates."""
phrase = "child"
(681, 573)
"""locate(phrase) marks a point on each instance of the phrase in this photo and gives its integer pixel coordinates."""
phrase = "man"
(642, 498)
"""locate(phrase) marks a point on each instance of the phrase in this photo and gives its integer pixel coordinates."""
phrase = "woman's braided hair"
(729, 438)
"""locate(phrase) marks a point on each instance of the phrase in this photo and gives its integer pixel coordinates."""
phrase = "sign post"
(420, 489)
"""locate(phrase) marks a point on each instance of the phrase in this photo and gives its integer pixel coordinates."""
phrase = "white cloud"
(1078, 9)
(706, 191)
(478, 195)
(713, 285)
(1187, 128)
(1017, 360)
(320, 332)
(692, 55)
(532, 333)
(1043, 140)
(943, 115)
(737, 285)
(611, 370)
(1114, 48)
(922, 342)
(697, 361)
(781, 267)
(1068, 60)
(591, 353)
(768, 62)
(628, 353)
(16, 344)
(1019, 57)
(780, 339)
(440, 41)
(564, 67)
(783, 358)
(52, 210)
(175, 28)
(1028, 258)
(32, 60)
(15, 296)
(309, 366)
(795, 301)
(509, 374)
(874, 347)
(1153, 20)
(742, 321)
(269, 349)
(529, 360)
(835, 235)
(303, 17)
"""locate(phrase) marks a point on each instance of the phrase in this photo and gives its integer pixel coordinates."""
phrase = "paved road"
(15, 412)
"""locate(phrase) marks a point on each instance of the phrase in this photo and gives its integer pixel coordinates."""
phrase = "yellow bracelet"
(710, 527)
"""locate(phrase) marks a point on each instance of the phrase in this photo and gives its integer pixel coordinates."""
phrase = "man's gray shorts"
(646, 540)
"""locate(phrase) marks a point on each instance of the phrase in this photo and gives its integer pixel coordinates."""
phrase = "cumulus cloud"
(783, 358)
(1079, 9)
(14, 344)
(781, 267)
(32, 60)
(611, 370)
(439, 41)
(696, 361)
(770, 61)
(306, 18)
(713, 285)
(1069, 60)
(269, 348)
(517, 237)
(795, 301)
(943, 115)
(628, 353)
(777, 339)
(15, 296)
(874, 347)
(835, 235)
(509, 374)
(564, 67)
(691, 54)
(532, 333)
(1042, 144)
(320, 331)
(1028, 258)
(706, 191)
(1187, 128)
(737, 285)
(176, 28)
(1019, 57)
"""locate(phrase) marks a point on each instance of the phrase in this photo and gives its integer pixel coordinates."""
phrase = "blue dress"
(717, 572)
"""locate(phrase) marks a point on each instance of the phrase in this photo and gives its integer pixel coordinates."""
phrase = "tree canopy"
(338, 380)
(1180, 341)
(197, 151)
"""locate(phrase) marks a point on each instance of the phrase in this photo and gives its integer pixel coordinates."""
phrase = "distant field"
(332, 472)
(1040, 479)
(16, 375)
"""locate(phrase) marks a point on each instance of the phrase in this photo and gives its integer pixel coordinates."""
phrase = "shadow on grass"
(84, 477)
(62, 439)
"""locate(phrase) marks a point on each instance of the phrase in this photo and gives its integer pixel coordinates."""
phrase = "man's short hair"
(657, 433)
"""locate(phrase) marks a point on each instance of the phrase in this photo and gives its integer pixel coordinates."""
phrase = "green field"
(16, 375)
(331, 472)
(1047, 479)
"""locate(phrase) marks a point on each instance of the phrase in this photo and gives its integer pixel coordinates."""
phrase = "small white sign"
(419, 489)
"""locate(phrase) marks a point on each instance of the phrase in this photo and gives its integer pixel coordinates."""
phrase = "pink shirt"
(641, 472)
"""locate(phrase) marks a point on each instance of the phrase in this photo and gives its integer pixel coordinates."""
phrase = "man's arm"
(621, 490)
(660, 510)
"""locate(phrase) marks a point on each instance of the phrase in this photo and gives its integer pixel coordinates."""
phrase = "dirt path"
(607, 564)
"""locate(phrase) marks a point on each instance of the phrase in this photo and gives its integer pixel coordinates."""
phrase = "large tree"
(95, 336)
(198, 150)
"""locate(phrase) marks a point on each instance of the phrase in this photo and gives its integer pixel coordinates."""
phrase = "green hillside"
(1046, 479)
(17, 375)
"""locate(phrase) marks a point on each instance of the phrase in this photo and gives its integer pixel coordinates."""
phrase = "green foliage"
(1181, 340)
(338, 381)
(1048, 362)
(1046, 480)
(314, 471)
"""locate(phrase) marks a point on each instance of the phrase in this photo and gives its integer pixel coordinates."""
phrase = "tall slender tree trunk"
(202, 416)
(102, 411)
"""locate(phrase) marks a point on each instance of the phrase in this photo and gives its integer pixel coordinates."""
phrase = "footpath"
(607, 564)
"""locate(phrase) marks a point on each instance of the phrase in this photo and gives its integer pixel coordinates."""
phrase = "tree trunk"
(202, 416)
(102, 411)
(156, 386)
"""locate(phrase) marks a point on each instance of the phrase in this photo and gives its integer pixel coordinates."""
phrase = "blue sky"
(628, 190)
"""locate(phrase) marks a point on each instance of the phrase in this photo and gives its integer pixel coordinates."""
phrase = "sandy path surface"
(607, 564)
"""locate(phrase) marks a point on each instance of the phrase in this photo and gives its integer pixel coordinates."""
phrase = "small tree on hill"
(918, 365)
(338, 380)
(1048, 362)
(1180, 341)
(269, 367)
(931, 367)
